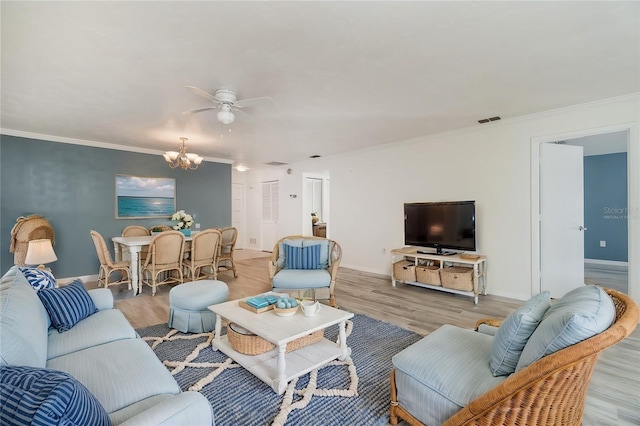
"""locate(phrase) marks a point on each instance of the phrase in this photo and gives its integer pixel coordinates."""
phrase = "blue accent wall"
(605, 207)
(73, 187)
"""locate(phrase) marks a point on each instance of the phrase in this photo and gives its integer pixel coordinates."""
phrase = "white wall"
(488, 163)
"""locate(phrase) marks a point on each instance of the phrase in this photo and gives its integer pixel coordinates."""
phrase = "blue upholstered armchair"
(303, 263)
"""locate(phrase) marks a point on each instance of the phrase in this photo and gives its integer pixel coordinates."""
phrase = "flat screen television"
(441, 225)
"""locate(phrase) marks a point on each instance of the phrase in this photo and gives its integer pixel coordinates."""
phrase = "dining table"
(135, 244)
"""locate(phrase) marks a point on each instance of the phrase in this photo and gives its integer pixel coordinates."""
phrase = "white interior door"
(561, 218)
(237, 213)
(270, 215)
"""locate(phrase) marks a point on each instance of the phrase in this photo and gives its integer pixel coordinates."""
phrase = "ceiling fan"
(227, 103)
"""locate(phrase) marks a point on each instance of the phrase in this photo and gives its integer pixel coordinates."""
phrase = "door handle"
(582, 228)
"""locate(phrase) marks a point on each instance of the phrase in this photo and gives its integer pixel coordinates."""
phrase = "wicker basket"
(428, 275)
(404, 271)
(249, 344)
(457, 278)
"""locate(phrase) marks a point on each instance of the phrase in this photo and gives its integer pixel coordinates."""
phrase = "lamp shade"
(40, 252)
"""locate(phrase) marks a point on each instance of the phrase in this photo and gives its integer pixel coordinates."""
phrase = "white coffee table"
(277, 367)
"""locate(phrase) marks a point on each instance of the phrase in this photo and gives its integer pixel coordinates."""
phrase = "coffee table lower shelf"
(299, 362)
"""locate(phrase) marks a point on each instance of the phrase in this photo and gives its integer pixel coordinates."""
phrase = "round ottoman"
(188, 305)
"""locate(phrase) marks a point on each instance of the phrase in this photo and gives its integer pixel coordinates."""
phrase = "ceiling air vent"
(275, 163)
(487, 120)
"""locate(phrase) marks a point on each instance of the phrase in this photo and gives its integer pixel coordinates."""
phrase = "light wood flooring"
(611, 276)
(615, 386)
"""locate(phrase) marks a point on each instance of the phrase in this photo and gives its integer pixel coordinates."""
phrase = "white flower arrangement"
(184, 219)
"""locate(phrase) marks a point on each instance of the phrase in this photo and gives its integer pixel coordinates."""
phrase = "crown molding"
(96, 144)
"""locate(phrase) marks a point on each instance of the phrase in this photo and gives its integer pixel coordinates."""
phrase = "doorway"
(315, 203)
(604, 143)
(606, 209)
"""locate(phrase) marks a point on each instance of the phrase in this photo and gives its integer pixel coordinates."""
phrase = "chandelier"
(183, 159)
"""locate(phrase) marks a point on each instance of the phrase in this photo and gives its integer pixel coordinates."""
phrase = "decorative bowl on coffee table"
(285, 312)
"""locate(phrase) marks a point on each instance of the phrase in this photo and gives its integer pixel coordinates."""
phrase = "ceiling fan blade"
(202, 93)
(193, 111)
(265, 100)
(242, 114)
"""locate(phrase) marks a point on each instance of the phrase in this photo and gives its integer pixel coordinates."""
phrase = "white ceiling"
(344, 75)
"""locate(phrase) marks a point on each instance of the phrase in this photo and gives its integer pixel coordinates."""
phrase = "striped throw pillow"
(67, 305)
(40, 396)
(302, 257)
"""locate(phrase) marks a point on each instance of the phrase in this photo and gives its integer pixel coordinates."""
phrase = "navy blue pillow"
(40, 396)
(67, 305)
(302, 257)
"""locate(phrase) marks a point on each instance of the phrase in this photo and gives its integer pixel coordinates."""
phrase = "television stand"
(438, 253)
(420, 259)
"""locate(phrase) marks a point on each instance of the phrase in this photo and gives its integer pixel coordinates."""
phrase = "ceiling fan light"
(198, 160)
(225, 117)
(192, 157)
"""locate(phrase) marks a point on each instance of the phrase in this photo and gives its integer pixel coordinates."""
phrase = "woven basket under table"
(428, 274)
(250, 344)
(404, 270)
(457, 278)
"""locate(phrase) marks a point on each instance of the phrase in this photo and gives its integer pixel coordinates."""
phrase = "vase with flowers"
(185, 220)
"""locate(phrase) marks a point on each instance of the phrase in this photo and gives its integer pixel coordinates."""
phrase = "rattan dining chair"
(163, 264)
(227, 248)
(551, 391)
(203, 255)
(107, 266)
(135, 231)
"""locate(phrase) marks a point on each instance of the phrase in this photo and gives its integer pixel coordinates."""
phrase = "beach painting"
(143, 197)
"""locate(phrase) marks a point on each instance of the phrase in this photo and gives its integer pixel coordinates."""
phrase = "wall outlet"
(603, 243)
(197, 226)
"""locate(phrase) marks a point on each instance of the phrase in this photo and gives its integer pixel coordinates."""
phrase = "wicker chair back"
(203, 254)
(108, 266)
(163, 264)
(135, 231)
(229, 236)
(33, 227)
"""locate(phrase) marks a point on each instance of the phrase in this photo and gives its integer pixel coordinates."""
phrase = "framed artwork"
(144, 197)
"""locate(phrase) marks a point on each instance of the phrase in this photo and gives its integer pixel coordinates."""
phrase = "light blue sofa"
(103, 352)
(320, 256)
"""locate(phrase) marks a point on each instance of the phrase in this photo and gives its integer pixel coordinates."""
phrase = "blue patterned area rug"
(350, 392)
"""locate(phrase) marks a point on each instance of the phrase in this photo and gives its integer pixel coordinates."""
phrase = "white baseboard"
(84, 278)
(606, 262)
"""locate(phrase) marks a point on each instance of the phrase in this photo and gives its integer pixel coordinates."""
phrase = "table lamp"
(40, 252)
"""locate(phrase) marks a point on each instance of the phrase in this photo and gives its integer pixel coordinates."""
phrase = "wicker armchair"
(551, 391)
(203, 255)
(163, 264)
(227, 248)
(276, 265)
(107, 266)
